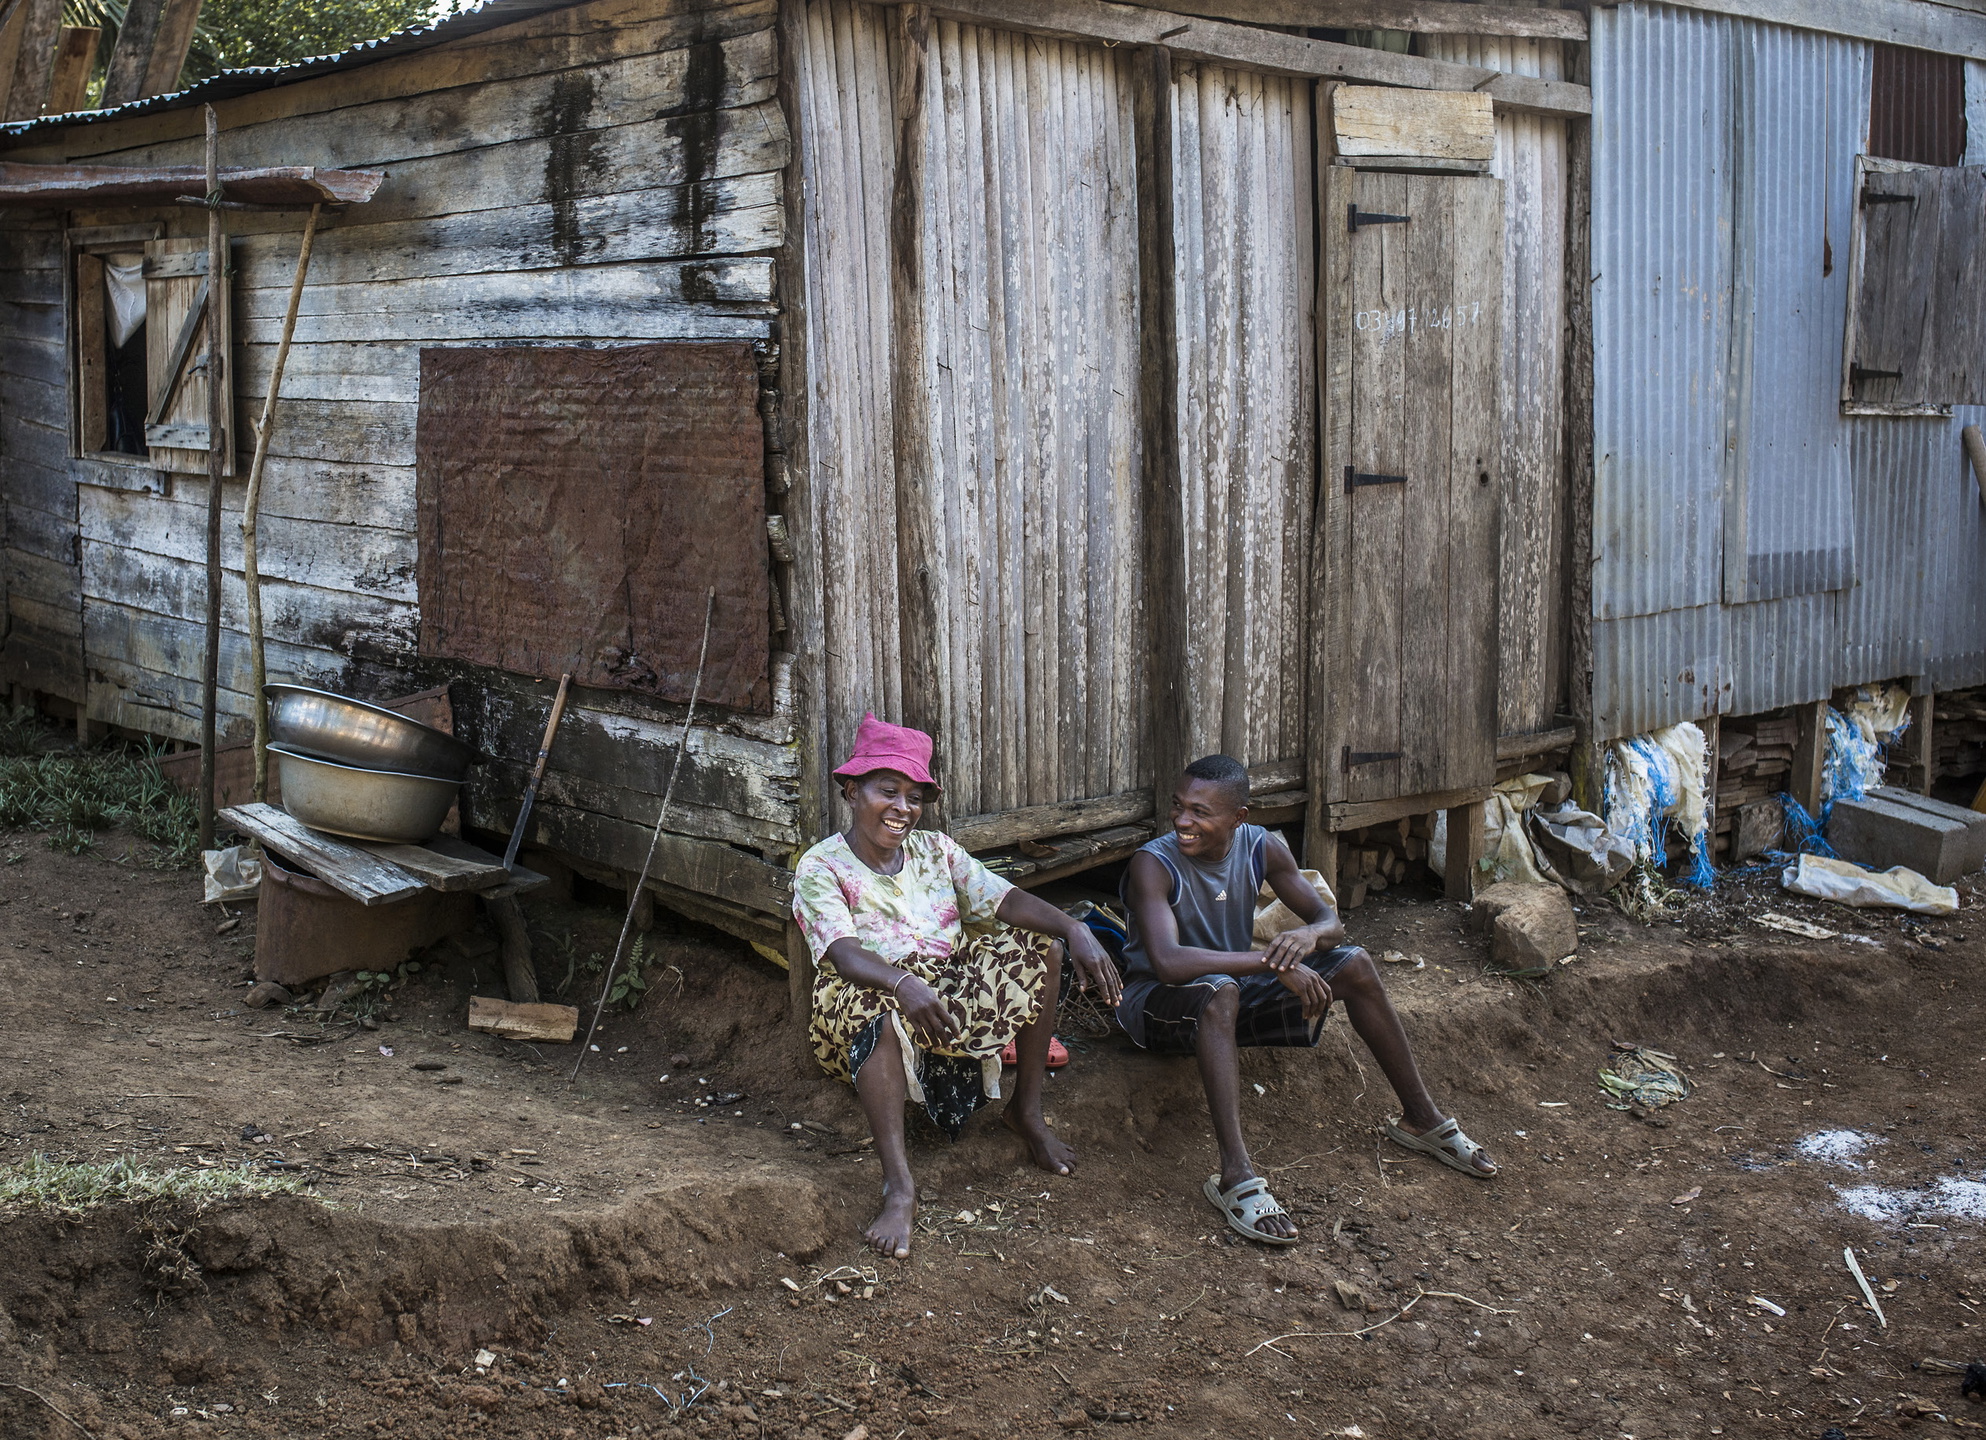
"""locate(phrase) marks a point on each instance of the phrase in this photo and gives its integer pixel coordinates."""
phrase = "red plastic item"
(1058, 1054)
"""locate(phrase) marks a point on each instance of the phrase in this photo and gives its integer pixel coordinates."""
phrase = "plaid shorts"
(1270, 1014)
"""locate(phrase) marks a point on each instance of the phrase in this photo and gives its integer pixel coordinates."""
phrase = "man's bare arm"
(1322, 928)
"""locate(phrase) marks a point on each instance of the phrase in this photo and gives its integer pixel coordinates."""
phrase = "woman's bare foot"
(889, 1233)
(1048, 1152)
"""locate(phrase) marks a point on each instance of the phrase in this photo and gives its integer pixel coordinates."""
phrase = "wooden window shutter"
(177, 294)
(1917, 307)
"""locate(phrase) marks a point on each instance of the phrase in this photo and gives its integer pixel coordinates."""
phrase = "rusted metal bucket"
(305, 930)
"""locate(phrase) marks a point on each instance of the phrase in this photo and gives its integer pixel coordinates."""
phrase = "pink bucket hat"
(880, 745)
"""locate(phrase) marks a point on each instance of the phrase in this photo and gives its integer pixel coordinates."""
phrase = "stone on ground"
(1529, 925)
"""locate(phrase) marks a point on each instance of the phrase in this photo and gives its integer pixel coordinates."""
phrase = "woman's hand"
(1093, 965)
(1309, 987)
(1287, 951)
(931, 1017)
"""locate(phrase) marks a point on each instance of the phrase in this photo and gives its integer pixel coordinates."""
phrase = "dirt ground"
(647, 1256)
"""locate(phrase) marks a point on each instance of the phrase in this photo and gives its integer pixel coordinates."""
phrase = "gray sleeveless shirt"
(1214, 904)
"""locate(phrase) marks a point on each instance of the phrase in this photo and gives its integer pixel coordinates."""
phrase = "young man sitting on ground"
(1193, 984)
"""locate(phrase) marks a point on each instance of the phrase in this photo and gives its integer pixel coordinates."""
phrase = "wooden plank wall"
(607, 172)
(1242, 205)
(43, 629)
(1531, 161)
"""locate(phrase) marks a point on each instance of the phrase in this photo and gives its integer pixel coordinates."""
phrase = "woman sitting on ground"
(907, 1005)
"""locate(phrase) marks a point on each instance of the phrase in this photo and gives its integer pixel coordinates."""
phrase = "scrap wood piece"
(518, 878)
(475, 870)
(66, 185)
(548, 1024)
(340, 864)
(1855, 1269)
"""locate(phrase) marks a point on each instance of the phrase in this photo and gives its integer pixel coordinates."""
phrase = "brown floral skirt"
(995, 981)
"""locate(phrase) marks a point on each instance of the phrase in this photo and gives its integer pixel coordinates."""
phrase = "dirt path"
(616, 1248)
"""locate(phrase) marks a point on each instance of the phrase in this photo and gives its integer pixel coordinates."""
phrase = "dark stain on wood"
(574, 158)
(697, 128)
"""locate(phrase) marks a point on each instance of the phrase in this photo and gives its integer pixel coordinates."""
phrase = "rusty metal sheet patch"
(577, 504)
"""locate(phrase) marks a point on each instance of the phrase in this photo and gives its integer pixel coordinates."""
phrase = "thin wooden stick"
(1855, 1269)
(16, 1385)
(1271, 1342)
(217, 381)
(251, 512)
(634, 893)
(537, 772)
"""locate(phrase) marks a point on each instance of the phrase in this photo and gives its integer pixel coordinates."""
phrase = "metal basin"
(351, 732)
(363, 804)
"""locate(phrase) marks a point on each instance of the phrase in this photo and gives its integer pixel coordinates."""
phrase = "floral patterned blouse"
(923, 909)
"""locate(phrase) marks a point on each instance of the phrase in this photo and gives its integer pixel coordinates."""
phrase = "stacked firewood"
(1371, 859)
(1754, 762)
(1958, 733)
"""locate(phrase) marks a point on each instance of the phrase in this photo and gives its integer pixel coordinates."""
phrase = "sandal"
(1245, 1206)
(1446, 1143)
(1058, 1053)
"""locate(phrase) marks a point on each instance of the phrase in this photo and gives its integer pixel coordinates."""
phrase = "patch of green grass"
(71, 1188)
(72, 794)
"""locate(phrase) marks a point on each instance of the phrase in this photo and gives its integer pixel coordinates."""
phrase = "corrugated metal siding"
(1530, 160)
(847, 157)
(1242, 201)
(1661, 306)
(1724, 160)
(1031, 311)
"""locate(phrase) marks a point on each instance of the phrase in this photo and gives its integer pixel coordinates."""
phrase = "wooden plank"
(1809, 756)
(1475, 480)
(1357, 814)
(1523, 747)
(75, 53)
(1943, 28)
(1424, 17)
(1423, 417)
(70, 186)
(338, 863)
(1330, 587)
(1377, 120)
(34, 61)
(540, 1024)
(1584, 763)
(38, 659)
(1163, 500)
(1123, 850)
(701, 866)
(1269, 50)
(440, 871)
(1037, 822)
(1465, 851)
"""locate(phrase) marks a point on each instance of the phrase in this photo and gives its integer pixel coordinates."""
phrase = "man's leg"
(1220, 1073)
(1023, 1112)
(1371, 1012)
(880, 1085)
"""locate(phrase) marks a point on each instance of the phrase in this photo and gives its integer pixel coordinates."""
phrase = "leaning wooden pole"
(217, 381)
(251, 510)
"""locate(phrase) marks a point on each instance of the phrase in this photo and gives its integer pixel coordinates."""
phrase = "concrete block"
(1894, 827)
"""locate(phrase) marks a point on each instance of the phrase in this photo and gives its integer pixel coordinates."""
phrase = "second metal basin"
(352, 732)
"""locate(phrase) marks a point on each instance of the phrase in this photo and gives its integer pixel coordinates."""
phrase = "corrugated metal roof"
(245, 81)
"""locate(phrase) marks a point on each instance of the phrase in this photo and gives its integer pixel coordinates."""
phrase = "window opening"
(124, 372)
(1917, 106)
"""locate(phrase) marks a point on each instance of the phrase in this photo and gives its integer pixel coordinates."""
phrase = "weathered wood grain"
(438, 871)
(339, 863)
(1329, 585)
(1474, 465)
(1036, 822)
(1375, 120)
(1425, 415)
(1425, 17)
(702, 866)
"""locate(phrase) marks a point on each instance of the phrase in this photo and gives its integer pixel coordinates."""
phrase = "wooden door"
(1404, 693)
(177, 294)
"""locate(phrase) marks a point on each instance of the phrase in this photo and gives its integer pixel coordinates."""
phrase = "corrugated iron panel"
(1917, 106)
(1242, 201)
(1661, 299)
(1789, 520)
(1530, 160)
(847, 158)
(1031, 310)
(1653, 670)
(1724, 163)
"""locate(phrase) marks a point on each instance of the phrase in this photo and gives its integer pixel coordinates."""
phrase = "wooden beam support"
(150, 51)
(69, 186)
(1158, 419)
(1465, 851)
(75, 53)
(1038, 822)
(1809, 756)
(1923, 718)
(1266, 50)
(1584, 763)
(1423, 17)
(34, 59)
(1523, 747)
(1357, 814)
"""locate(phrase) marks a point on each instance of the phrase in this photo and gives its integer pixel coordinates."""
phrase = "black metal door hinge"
(1353, 757)
(1883, 197)
(1356, 217)
(1355, 478)
(1857, 374)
